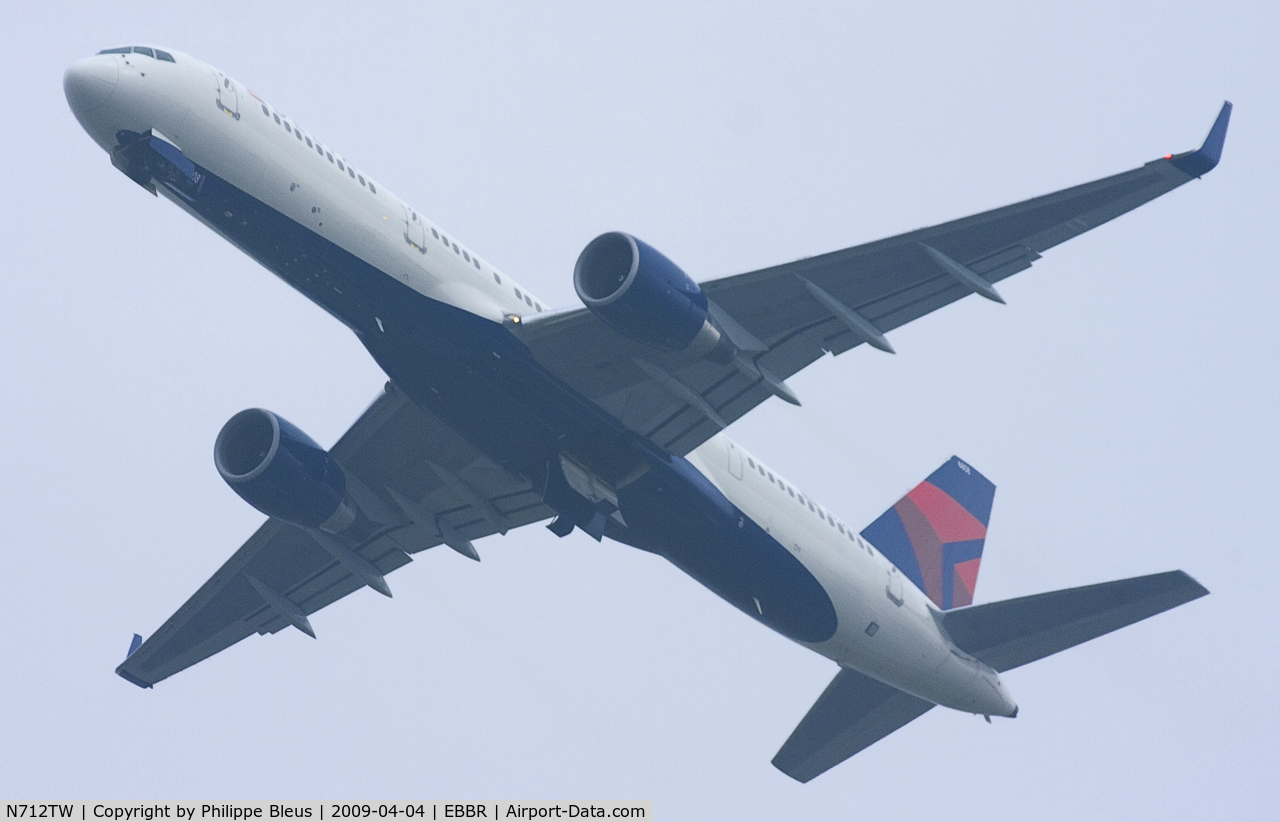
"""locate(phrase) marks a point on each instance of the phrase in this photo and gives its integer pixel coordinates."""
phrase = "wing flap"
(1013, 632)
(854, 712)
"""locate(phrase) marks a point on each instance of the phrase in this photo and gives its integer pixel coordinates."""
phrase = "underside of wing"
(783, 318)
(414, 480)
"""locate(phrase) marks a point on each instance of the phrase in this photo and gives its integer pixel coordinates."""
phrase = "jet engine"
(282, 472)
(643, 295)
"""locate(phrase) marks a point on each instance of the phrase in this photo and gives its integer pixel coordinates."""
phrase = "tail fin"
(935, 534)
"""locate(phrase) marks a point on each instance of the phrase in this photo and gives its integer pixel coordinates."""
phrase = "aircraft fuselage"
(439, 320)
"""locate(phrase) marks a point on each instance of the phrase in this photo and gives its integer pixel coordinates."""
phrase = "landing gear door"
(228, 99)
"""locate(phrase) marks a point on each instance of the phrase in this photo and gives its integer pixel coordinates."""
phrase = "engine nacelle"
(642, 294)
(282, 472)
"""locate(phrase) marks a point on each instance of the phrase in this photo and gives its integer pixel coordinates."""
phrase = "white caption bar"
(324, 811)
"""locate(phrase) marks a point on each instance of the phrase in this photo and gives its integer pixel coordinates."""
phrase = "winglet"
(134, 645)
(1204, 159)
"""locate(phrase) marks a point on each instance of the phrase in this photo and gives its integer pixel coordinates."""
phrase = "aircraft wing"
(787, 316)
(408, 472)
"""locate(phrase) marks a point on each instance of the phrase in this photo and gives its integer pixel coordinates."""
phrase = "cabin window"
(496, 278)
(810, 505)
(265, 112)
(477, 263)
(329, 155)
(143, 50)
(351, 172)
(455, 249)
(466, 256)
(164, 55)
(770, 476)
(372, 187)
(309, 143)
(319, 150)
(519, 296)
(277, 116)
(297, 133)
(286, 127)
(840, 526)
(435, 234)
(444, 240)
(751, 462)
(528, 301)
(361, 176)
(537, 306)
(341, 167)
(789, 491)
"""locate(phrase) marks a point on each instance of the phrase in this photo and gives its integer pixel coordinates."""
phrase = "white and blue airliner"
(608, 418)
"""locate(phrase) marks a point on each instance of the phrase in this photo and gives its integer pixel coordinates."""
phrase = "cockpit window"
(143, 50)
(121, 50)
(164, 55)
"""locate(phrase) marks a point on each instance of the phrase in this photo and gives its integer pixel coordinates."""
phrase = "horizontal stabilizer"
(854, 712)
(1014, 632)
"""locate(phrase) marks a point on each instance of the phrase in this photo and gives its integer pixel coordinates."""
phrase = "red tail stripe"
(950, 521)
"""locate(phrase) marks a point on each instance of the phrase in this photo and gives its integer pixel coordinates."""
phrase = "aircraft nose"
(90, 82)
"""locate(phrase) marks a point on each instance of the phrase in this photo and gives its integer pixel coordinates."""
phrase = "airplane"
(607, 418)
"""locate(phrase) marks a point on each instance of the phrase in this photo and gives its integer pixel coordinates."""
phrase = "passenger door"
(893, 585)
(735, 461)
(228, 98)
(415, 230)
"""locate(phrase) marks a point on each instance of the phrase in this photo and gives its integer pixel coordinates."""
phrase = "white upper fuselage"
(886, 626)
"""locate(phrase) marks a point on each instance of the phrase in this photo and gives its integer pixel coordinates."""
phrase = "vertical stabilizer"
(935, 534)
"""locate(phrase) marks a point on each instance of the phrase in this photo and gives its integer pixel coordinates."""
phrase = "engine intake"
(642, 294)
(282, 472)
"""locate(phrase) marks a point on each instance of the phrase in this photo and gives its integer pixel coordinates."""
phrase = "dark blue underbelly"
(675, 511)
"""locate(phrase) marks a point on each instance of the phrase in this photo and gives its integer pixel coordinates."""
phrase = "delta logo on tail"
(935, 534)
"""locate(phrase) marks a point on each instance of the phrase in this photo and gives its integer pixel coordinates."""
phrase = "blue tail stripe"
(889, 536)
(973, 491)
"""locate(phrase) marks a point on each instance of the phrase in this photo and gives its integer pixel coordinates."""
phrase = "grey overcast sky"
(1124, 402)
